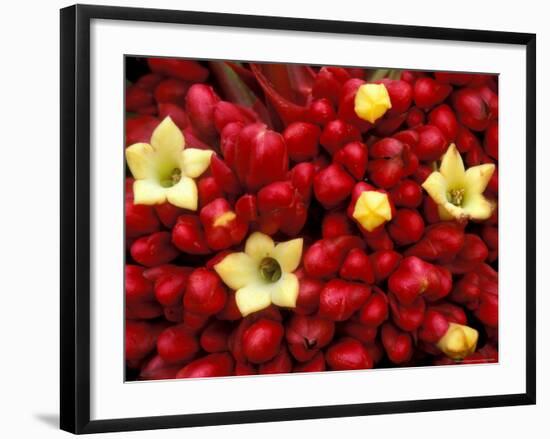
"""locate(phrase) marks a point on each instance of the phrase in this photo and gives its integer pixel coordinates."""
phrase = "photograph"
(287, 218)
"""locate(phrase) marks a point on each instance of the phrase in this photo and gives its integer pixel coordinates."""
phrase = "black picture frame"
(75, 217)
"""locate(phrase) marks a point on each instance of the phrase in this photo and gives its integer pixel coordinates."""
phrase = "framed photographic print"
(292, 219)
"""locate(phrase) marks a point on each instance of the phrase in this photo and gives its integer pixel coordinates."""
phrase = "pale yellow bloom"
(164, 170)
(372, 209)
(459, 192)
(458, 342)
(263, 273)
(372, 101)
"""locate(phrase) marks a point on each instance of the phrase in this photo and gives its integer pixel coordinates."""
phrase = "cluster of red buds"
(288, 218)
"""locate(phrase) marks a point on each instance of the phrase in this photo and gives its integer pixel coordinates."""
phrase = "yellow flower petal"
(477, 178)
(148, 192)
(444, 214)
(237, 270)
(452, 168)
(195, 161)
(254, 297)
(458, 342)
(477, 207)
(183, 194)
(285, 291)
(140, 159)
(372, 209)
(289, 254)
(436, 186)
(371, 102)
(168, 140)
(259, 246)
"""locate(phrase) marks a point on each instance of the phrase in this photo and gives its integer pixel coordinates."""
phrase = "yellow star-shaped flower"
(459, 192)
(372, 209)
(164, 170)
(372, 101)
(263, 273)
(458, 342)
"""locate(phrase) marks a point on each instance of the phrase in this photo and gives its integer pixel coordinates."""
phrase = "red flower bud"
(338, 133)
(328, 83)
(168, 214)
(407, 193)
(428, 92)
(348, 354)
(472, 254)
(213, 365)
(401, 95)
(137, 98)
(444, 118)
(332, 185)
(302, 140)
(188, 235)
(301, 177)
(466, 140)
(407, 227)
(346, 105)
(306, 335)
(363, 333)
(261, 340)
(275, 196)
(384, 263)
(475, 107)
(208, 190)
(389, 125)
(227, 112)
(432, 144)
(143, 310)
(175, 112)
(177, 343)
(490, 141)
(320, 112)
(158, 369)
(169, 287)
(393, 161)
(154, 249)
(281, 363)
(138, 288)
(397, 344)
(246, 208)
(316, 364)
(434, 326)
(140, 129)
(490, 237)
(171, 90)
(224, 175)
(335, 224)
(375, 310)
(414, 277)
(149, 81)
(194, 322)
(141, 338)
(200, 103)
(245, 369)
(441, 241)
(183, 69)
(222, 226)
(357, 266)
(324, 258)
(415, 118)
(215, 337)
(340, 299)
(260, 156)
(230, 311)
(354, 158)
(308, 295)
(407, 317)
(205, 293)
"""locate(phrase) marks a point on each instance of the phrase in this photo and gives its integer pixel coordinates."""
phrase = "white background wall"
(29, 218)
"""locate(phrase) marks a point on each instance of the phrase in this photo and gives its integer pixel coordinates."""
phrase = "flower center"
(173, 178)
(270, 270)
(456, 196)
